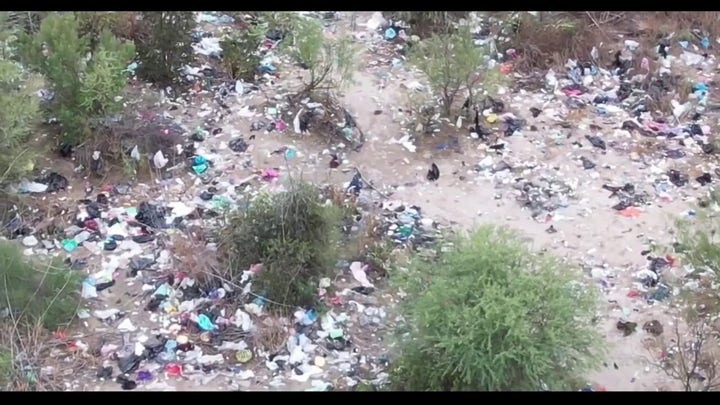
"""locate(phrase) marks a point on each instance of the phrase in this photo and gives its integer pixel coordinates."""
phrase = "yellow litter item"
(243, 356)
(492, 118)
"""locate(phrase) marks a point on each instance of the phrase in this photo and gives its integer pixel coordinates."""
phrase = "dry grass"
(689, 355)
(658, 25)
(33, 359)
(272, 336)
(553, 39)
(557, 36)
(191, 254)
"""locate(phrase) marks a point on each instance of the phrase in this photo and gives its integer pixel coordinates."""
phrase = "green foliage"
(492, 316)
(282, 21)
(28, 21)
(452, 62)
(35, 299)
(698, 239)
(427, 22)
(240, 53)
(330, 61)
(86, 80)
(697, 247)
(37, 294)
(93, 23)
(168, 45)
(19, 112)
(293, 234)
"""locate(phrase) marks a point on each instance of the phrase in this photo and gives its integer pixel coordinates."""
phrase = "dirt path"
(589, 233)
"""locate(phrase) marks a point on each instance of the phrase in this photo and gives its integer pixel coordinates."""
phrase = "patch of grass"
(37, 293)
(491, 315)
(35, 299)
(293, 234)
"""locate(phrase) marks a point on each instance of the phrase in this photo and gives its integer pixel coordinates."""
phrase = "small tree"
(86, 81)
(167, 46)
(241, 57)
(691, 355)
(330, 62)
(452, 62)
(19, 111)
(492, 316)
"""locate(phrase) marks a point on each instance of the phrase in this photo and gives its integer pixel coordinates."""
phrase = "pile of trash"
(406, 226)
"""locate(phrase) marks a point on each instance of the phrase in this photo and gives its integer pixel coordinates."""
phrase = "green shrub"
(295, 237)
(37, 294)
(19, 112)
(167, 46)
(492, 316)
(86, 81)
(240, 53)
(452, 63)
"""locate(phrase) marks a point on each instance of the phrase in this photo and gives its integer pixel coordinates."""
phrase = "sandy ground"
(589, 231)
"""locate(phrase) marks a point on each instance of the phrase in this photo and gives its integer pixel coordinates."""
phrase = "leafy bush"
(492, 316)
(167, 46)
(292, 234)
(452, 63)
(86, 81)
(240, 53)
(19, 112)
(35, 295)
(330, 62)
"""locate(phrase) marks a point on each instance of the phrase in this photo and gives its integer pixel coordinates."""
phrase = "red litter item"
(337, 301)
(633, 294)
(173, 370)
(572, 92)
(91, 225)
